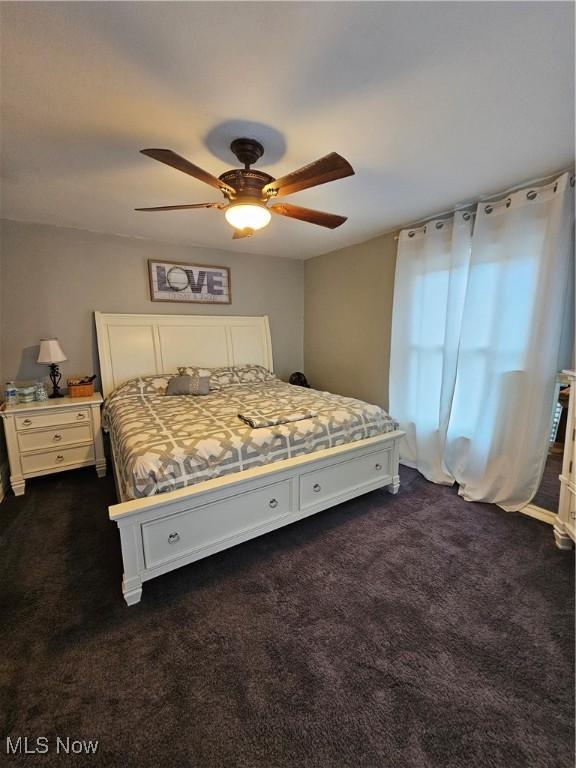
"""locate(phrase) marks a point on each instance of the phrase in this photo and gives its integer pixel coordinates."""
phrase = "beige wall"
(348, 317)
(337, 306)
(54, 278)
(3, 455)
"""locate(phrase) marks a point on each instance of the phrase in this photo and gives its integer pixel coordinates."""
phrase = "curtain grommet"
(571, 181)
(411, 234)
(488, 209)
(439, 224)
(508, 202)
(466, 216)
(532, 195)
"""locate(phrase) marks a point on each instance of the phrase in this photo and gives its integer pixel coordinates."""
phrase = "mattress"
(162, 443)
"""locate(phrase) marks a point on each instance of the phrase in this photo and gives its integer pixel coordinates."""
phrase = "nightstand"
(51, 436)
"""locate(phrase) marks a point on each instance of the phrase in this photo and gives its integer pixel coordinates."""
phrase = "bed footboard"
(164, 532)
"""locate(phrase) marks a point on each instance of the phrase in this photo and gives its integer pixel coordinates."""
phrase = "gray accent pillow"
(188, 385)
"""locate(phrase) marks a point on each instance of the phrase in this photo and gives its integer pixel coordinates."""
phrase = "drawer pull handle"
(378, 467)
(173, 538)
(60, 457)
(273, 503)
(27, 422)
(316, 487)
(57, 437)
(81, 416)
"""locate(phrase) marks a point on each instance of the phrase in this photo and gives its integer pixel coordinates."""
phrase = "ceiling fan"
(248, 191)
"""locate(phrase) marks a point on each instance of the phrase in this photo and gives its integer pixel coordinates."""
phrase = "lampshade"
(247, 216)
(50, 352)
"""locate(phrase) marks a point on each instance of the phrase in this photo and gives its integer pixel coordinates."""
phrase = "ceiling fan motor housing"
(247, 183)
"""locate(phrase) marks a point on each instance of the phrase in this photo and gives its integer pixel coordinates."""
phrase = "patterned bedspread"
(162, 443)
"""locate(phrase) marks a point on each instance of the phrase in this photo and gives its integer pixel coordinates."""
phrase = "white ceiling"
(432, 103)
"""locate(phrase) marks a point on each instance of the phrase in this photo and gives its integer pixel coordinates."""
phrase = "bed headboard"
(142, 345)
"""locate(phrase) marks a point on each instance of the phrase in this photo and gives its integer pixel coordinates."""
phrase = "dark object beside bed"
(298, 379)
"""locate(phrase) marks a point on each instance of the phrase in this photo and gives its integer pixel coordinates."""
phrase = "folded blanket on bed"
(257, 419)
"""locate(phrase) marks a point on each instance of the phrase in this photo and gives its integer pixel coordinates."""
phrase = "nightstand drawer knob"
(60, 457)
(316, 487)
(81, 416)
(273, 503)
(57, 437)
(27, 422)
(173, 538)
(378, 467)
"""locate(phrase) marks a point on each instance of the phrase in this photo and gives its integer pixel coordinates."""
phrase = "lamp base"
(55, 377)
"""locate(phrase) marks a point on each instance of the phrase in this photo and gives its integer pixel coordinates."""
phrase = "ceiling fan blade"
(170, 158)
(182, 207)
(328, 168)
(240, 233)
(330, 220)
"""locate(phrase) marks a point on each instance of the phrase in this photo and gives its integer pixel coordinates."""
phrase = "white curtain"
(476, 337)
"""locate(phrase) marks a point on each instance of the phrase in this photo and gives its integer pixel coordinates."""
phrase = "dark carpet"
(390, 632)
(548, 494)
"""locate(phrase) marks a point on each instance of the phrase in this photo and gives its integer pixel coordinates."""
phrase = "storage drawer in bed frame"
(167, 531)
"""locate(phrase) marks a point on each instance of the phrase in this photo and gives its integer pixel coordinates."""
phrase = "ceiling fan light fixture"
(247, 216)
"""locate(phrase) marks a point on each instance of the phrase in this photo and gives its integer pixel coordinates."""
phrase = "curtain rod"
(541, 181)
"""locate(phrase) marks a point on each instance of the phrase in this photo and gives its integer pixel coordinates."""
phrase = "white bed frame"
(163, 532)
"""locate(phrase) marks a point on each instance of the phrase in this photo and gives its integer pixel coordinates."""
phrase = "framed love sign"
(197, 283)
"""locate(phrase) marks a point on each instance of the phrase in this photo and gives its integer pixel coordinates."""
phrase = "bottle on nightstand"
(10, 394)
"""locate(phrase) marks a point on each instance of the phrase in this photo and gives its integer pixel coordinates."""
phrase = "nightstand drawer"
(38, 462)
(56, 419)
(54, 438)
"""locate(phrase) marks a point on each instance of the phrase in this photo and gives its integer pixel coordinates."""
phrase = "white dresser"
(51, 436)
(565, 525)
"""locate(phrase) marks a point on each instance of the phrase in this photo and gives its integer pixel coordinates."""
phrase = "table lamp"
(51, 352)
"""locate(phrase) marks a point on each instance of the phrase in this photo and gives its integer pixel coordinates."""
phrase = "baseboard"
(4, 480)
(539, 513)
